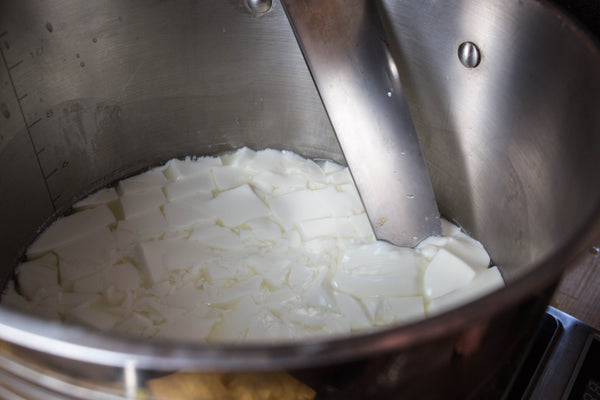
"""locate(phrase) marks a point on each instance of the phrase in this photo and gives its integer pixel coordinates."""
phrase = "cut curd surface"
(248, 246)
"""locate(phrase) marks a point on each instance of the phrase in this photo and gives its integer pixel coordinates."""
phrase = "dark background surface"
(585, 12)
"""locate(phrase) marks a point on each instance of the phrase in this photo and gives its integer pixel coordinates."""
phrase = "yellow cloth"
(233, 386)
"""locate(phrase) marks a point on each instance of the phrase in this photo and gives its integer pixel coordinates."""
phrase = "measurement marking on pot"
(33, 123)
(40, 151)
(14, 88)
(15, 65)
(55, 170)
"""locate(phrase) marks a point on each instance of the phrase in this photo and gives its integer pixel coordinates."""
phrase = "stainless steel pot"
(94, 91)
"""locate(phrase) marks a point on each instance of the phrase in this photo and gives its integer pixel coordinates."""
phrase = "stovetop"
(563, 362)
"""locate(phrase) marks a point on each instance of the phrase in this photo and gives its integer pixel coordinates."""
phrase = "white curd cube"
(379, 269)
(102, 196)
(446, 273)
(187, 327)
(262, 160)
(70, 300)
(12, 299)
(239, 158)
(343, 202)
(336, 227)
(89, 284)
(484, 282)
(190, 186)
(234, 321)
(153, 309)
(329, 167)
(229, 177)
(186, 297)
(143, 227)
(41, 273)
(100, 319)
(469, 250)
(399, 309)
(136, 324)
(294, 164)
(188, 211)
(138, 203)
(159, 257)
(245, 288)
(217, 237)
(71, 228)
(261, 229)
(150, 258)
(341, 177)
(46, 307)
(429, 247)
(142, 182)
(320, 293)
(237, 206)
(124, 276)
(278, 184)
(362, 226)
(85, 256)
(180, 169)
(353, 311)
(291, 208)
(300, 277)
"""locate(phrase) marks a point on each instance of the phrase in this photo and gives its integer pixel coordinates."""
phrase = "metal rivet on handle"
(260, 6)
(469, 54)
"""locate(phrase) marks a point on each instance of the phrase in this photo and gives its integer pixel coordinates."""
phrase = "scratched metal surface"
(89, 93)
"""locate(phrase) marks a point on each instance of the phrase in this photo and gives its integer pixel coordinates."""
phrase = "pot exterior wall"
(477, 362)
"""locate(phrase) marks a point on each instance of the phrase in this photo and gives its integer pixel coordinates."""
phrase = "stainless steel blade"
(345, 47)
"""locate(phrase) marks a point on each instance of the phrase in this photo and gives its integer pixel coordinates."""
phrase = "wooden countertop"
(579, 291)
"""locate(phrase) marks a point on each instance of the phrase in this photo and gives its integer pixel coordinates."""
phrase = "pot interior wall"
(94, 91)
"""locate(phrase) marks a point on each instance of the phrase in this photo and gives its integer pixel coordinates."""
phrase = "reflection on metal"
(29, 379)
(130, 379)
(260, 6)
(347, 51)
(469, 54)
